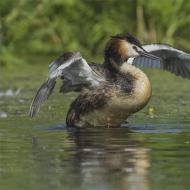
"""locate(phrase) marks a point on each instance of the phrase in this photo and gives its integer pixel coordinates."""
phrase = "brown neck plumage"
(115, 50)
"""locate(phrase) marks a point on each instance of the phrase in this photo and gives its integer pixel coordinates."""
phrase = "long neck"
(110, 71)
(141, 86)
(117, 51)
(109, 66)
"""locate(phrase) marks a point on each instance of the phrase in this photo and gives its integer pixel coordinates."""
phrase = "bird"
(109, 93)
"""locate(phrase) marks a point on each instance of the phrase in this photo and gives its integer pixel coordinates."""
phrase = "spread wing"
(73, 70)
(173, 60)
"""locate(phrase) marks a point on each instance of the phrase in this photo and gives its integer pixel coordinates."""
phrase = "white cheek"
(131, 52)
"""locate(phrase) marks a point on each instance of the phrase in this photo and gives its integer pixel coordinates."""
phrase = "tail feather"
(41, 96)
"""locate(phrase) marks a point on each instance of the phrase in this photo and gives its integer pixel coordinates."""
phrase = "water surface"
(151, 151)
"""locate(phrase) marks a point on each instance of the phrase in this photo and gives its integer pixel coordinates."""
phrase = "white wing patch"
(130, 60)
(155, 47)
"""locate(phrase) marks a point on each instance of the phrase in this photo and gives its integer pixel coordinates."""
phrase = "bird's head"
(121, 47)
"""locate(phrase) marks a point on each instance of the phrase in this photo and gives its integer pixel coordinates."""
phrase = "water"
(152, 151)
(49, 156)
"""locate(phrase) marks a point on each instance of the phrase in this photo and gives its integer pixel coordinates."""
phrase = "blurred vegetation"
(46, 27)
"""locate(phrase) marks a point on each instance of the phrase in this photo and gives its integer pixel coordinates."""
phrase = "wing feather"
(42, 95)
(75, 73)
(173, 60)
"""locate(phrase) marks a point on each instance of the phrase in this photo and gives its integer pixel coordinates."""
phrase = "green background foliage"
(47, 27)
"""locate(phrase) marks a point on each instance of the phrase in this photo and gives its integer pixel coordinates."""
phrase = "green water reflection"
(152, 151)
(47, 156)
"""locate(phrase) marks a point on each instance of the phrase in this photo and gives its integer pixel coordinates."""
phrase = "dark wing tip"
(173, 60)
(42, 94)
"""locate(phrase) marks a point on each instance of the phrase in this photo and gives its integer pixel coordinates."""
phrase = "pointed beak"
(149, 55)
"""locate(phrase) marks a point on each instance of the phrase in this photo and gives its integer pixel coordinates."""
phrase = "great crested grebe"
(111, 92)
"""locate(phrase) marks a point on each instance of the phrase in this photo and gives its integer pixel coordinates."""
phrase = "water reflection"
(93, 159)
(35, 155)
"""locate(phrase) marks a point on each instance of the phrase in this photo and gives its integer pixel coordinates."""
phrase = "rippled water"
(148, 153)
(152, 151)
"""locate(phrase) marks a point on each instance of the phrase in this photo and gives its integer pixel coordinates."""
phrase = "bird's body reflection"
(95, 159)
